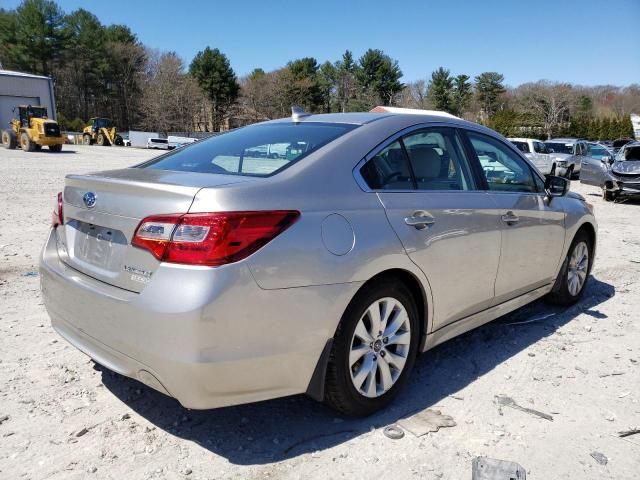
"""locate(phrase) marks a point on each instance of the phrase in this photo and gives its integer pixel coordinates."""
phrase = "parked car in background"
(222, 279)
(159, 143)
(619, 176)
(620, 142)
(567, 153)
(536, 151)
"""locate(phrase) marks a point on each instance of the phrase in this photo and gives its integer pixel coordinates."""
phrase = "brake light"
(57, 216)
(210, 239)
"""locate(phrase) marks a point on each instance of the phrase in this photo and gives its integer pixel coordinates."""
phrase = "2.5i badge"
(138, 274)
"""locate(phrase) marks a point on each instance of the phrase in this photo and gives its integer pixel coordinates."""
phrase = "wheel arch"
(315, 388)
(588, 228)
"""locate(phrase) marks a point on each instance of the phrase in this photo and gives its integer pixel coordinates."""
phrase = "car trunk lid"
(103, 210)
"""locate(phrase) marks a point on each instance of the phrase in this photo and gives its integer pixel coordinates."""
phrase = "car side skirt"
(477, 319)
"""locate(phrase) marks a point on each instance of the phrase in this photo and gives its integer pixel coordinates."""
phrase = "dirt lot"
(68, 418)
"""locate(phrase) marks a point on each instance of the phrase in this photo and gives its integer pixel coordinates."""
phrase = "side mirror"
(607, 159)
(555, 186)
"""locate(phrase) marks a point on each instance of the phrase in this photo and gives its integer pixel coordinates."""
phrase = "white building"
(635, 120)
(17, 88)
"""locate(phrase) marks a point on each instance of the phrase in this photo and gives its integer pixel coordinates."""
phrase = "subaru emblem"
(89, 199)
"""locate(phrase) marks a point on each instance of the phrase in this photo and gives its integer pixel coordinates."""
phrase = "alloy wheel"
(379, 347)
(578, 266)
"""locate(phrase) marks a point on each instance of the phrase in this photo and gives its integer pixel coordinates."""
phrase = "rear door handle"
(510, 218)
(420, 220)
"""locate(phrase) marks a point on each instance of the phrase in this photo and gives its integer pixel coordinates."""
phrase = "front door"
(532, 229)
(447, 225)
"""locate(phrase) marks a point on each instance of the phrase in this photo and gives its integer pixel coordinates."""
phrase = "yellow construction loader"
(32, 130)
(101, 131)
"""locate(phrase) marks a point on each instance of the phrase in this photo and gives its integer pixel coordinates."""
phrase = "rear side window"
(427, 159)
(259, 150)
(437, 160)
(503, 168)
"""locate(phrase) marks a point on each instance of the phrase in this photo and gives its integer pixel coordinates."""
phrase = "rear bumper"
(209, 337)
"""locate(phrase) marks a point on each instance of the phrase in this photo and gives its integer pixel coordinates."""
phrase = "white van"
(158, 143)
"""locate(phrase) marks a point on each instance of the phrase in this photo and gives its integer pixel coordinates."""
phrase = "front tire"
(572, 279)
(9, 139)
(26, 143)
(101, 140)
(86, 139)
(374, 349)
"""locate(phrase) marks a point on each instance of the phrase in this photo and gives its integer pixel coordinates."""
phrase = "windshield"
(102, 123)
(560, 147)
(259, 150)
(37, 112)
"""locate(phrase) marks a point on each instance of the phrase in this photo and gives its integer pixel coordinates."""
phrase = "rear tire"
(26, 143)
(574, 274)
(370, 362)
(102, 140)
(607, 196)
(9, 139)
(55, 148)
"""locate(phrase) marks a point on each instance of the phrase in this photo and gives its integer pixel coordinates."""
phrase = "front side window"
(522, 146)
(504, 170)
(559, 147)
(259, 150)
(437, 160)
(540, 147)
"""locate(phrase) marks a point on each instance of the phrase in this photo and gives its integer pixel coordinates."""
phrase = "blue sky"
(586, 42)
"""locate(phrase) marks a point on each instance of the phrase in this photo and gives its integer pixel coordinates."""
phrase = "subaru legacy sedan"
(219, 277)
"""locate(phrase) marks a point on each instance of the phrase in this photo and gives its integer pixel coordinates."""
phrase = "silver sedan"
(315, 254)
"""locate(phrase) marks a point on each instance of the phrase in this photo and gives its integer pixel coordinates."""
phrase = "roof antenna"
(297, 112)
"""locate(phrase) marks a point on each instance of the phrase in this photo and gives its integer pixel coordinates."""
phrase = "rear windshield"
(258, 150)
(560, 147)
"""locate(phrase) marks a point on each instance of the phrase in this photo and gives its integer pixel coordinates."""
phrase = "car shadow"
(276, 430)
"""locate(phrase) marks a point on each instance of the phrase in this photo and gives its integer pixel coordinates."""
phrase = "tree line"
(104, 70)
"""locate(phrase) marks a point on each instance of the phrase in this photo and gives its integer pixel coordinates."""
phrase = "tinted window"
(558, 147)
(388, 170)
(437, 160)
(540, 147)
(597, 151)
(522, 146)
(259, 150)
(502, 167)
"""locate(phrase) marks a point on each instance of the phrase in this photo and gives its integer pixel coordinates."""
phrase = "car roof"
(362, 118)
(565, 140)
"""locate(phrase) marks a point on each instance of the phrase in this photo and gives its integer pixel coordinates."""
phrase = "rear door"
(532, 228)
(593, 169)
(447, 225)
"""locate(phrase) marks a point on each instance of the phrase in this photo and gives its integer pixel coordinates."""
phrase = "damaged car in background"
(619, 176)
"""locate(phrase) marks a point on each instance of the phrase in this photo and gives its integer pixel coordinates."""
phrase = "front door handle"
(420, 220)
(510, 218)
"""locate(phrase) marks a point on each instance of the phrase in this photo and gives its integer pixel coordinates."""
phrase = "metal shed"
(17, 88)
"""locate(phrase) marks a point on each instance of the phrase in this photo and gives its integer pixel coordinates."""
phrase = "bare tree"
(549, 102)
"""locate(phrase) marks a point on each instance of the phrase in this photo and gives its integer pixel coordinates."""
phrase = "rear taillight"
(210, 239)
(57, 216)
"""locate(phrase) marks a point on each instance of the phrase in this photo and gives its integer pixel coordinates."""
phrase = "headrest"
(426, 162)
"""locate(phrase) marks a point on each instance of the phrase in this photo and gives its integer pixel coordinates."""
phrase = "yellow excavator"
(32, 130)
(101, 131)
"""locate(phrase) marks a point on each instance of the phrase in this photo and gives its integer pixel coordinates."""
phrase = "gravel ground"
(62, 416)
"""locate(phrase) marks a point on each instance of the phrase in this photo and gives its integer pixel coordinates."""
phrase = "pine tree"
(489, 87)
(440, 90)
(218, 81)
